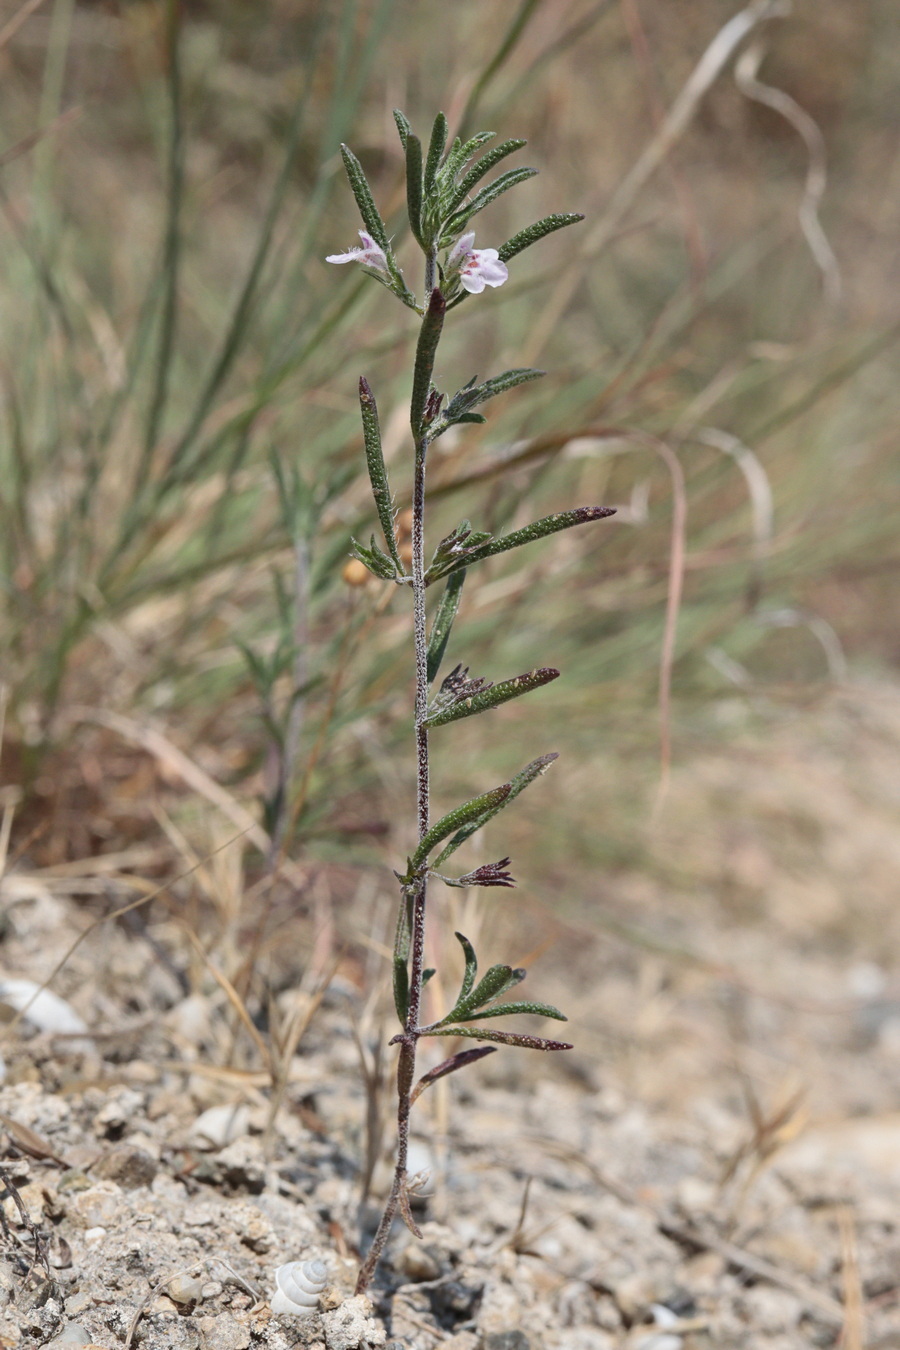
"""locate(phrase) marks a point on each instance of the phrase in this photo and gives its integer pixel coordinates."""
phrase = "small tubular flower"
(371, 254)
(476, 267)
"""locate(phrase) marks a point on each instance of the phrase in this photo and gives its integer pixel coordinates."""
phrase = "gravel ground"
(716, 1165)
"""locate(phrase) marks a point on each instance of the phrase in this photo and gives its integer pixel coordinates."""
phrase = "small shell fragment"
(46, 1011)
(220, 1125)
(298, 1286)
(185, 1289)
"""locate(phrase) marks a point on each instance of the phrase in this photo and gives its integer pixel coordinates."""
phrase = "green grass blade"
(171, 246)
(497, 61)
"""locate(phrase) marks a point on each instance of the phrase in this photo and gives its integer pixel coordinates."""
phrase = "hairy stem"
(406, 1068)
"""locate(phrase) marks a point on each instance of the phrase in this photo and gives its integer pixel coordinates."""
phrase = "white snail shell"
(298, 1286)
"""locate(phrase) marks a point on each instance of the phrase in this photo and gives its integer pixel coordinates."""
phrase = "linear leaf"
(481, 167)
(414, 184)
(377, 561)
(457, 542)
(435, 151)
(429, 337)
(562, 520)
(471, 966)
(502, 1038)
(498, 384)
(515, 785)
(443, 622)
(488, 194)
(491, 986)
(493, 696)
(468, 814)
(381, 489)
(460, 405)
(401, 957)
(449, 1066)
(403, 126)
(460, 153)
(501, 1009)
(364, 199)
(532, 233)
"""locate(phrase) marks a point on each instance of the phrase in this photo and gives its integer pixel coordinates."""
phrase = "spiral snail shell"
(298, 1286)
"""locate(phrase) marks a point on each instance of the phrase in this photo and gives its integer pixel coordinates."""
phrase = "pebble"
(220, 1125)
(185, 1289)
(72, 1335)
(131, 1167)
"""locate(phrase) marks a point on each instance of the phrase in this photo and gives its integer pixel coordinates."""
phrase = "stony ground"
(717, 1165)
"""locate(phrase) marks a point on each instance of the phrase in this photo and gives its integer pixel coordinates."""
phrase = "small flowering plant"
(442, 197)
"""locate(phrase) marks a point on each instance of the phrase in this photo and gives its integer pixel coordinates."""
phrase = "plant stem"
(406, 1067)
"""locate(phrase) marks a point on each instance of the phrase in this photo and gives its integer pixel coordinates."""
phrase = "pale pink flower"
(370, 254)
(477, 267)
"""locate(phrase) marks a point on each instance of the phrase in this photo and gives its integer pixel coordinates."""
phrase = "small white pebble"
(94, 1236)
(663, 1316)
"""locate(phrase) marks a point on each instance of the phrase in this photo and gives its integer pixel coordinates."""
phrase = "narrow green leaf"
(435, 151)
(532, 233)
(493, 985)
(403, 126)
(460, 405)
(455, 544)
(450, 1065)
(427, 975)
(364, 199)
(378, 563)
(429, 337)
(562, 520)
(443, 622)
(516, 785)
(481, 167)
(488, 194)
(493, 696)
(468, 814)
(460, 153)
(471, 966)
(414, 185)
(381, 489)
(501, 1009)
(499, 384)
(401, 956)
(502, 1038)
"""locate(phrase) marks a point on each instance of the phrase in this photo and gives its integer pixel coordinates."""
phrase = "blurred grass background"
(180, 453)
